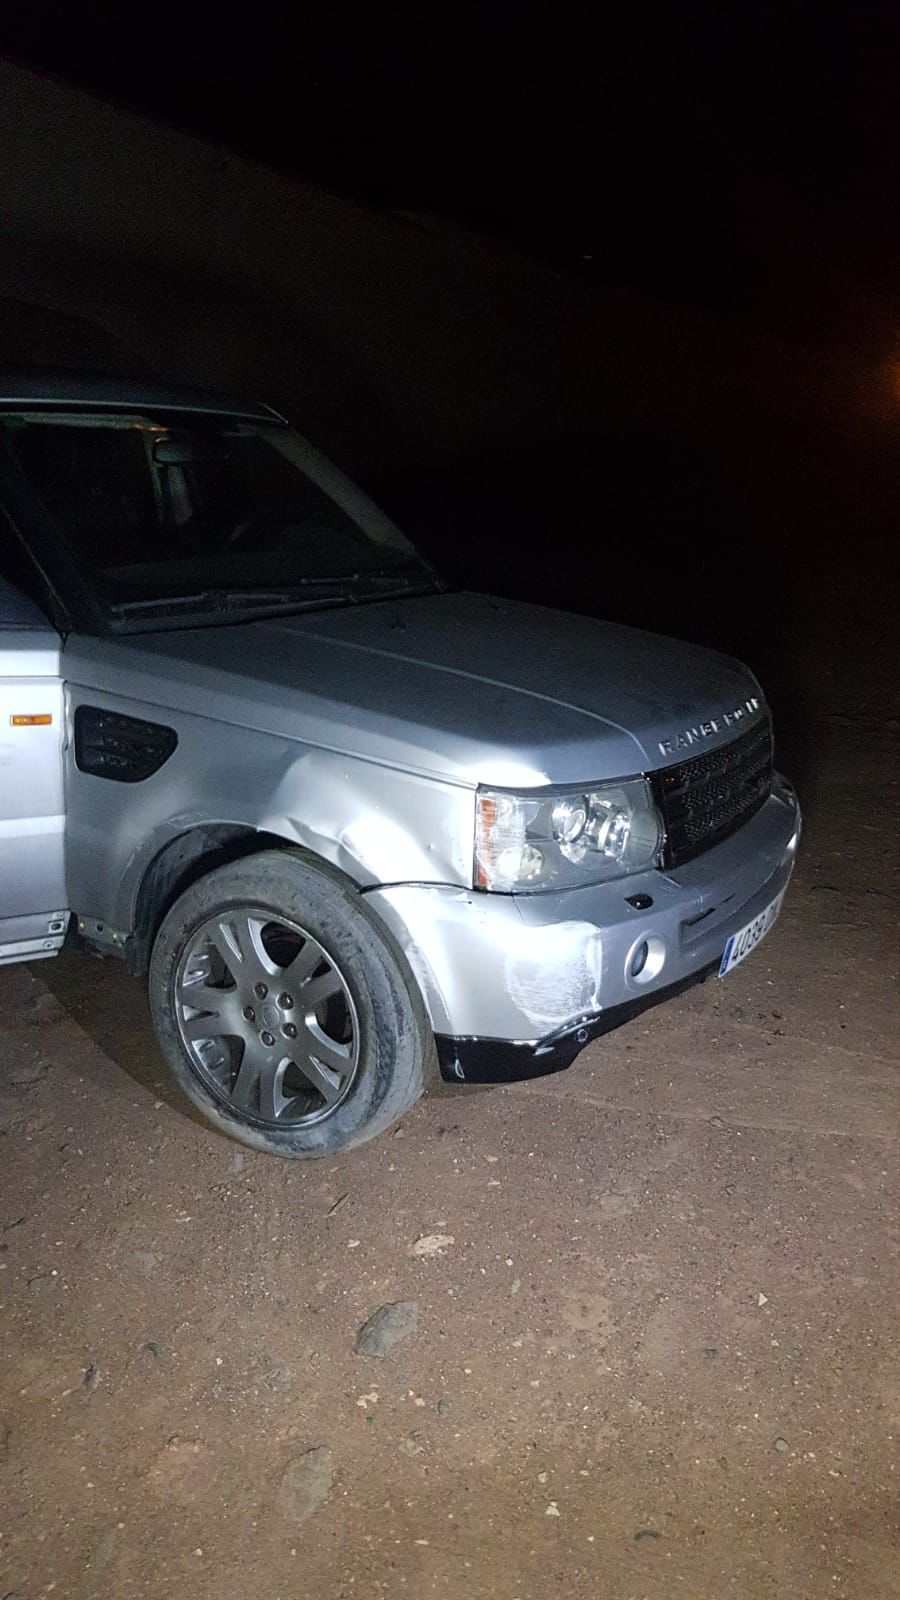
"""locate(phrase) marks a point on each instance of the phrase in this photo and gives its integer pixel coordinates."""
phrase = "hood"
(461, 686)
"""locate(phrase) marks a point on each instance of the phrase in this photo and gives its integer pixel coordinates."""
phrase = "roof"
(70, 389)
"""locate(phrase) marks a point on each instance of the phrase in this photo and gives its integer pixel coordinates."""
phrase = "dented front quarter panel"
(374, 823)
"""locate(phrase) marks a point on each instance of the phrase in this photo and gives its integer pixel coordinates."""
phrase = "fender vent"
(125, 749)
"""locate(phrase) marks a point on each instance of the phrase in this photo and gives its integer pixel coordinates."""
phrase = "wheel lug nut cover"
(260, 991)
(249, 1013)
(285, 1001)
(267, 1038)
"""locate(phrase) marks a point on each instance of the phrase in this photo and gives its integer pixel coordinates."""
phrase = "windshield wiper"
(212, 599)
(345, 585)
(369, 575)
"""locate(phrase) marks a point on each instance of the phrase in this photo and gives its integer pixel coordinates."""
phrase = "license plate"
(747, 938)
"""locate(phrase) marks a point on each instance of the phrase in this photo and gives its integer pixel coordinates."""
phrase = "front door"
(33, 914)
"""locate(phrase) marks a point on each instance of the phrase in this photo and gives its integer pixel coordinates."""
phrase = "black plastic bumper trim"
(476, 1060)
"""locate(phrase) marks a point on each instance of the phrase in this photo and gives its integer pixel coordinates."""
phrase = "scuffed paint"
(472, 953)
(436, 1001)
(554, 973)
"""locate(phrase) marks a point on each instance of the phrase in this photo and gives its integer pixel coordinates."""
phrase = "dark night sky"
(742, 158)
(736, 162)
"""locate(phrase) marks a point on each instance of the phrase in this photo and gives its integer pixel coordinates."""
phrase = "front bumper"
(516, 985)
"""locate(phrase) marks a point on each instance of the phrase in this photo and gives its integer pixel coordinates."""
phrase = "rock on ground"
(386, 1327)
(305, 1484)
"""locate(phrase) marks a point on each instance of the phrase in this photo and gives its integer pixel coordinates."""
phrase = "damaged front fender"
(375, 824)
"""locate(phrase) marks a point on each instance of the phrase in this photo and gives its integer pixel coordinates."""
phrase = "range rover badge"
(705, 730)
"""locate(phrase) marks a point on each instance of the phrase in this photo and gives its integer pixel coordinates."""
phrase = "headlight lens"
(561, 838)
(569, 818)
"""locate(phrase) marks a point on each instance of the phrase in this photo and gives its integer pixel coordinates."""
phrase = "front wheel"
(283, 1011)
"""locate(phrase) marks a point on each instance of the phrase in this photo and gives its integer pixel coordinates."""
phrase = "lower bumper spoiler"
(473, 1060)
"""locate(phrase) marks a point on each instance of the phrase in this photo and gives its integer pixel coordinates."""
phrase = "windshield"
(206, 512)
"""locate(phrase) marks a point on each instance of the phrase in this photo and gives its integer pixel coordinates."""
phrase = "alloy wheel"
(267, 1018)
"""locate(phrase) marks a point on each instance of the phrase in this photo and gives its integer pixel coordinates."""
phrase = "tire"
(267, 945)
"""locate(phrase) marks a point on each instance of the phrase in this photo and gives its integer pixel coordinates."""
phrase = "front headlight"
(559, 838)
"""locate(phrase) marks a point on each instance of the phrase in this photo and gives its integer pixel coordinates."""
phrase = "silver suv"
(351, 825)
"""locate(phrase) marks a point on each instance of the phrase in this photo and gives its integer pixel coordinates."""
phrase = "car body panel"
(373, 823)
(32, 872)
(64, 391)
(453, 685)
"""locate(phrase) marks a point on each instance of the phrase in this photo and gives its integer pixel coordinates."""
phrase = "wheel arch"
(189, 856)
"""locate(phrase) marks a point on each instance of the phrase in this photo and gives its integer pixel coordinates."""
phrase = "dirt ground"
(654, 1354)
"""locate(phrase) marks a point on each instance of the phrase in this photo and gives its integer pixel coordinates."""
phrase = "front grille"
(705, 799)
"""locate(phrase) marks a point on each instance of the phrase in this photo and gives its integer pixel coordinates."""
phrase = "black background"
(743, 158)
(739, 163)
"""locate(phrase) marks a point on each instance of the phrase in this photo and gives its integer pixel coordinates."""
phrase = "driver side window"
(96, 485)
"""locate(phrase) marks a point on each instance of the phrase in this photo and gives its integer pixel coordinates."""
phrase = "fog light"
(645, 959)
(639, 959)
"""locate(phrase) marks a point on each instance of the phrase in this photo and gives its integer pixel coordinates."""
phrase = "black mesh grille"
(705, 799)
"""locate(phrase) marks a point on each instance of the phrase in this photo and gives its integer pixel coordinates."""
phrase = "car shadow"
(109, 1005)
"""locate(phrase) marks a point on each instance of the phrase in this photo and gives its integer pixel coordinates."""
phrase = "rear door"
(33, 913)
